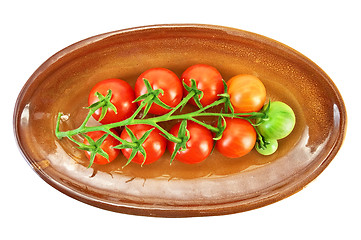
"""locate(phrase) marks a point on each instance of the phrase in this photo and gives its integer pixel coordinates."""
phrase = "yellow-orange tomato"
(247, 93)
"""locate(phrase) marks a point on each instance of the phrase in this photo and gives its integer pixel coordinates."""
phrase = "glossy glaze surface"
(215, 186)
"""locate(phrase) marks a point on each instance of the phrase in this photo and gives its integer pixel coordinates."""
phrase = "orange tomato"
(247, 93)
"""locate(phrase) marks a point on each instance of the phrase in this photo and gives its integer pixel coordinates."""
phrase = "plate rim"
(182, 211)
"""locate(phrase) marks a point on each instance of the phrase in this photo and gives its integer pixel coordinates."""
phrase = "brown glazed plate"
(216, 186)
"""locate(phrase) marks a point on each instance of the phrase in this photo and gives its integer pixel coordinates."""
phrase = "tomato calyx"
(152, 96)
(136, 145)
(221, 126)
(226, 98)
(197, 94)
(264, 114)
(93, 147)
(104, 103)
(265, 146)
(261, 142)
(183, 135)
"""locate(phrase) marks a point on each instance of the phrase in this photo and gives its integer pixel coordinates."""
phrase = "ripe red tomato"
(199, 145)
(208, 80)
(247, 93)
(107, 147)
(161, 78)
(154, 145)
(238, 138)
(122, 98)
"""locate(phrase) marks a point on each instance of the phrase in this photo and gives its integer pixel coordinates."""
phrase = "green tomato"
(280, 122)
(269, 148)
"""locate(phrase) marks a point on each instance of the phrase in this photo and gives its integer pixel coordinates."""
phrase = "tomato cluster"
(246, 94)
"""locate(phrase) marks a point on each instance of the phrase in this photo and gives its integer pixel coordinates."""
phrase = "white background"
(328, 32)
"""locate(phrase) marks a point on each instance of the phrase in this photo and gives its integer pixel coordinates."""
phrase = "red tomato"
(238, 138)
(107, 147)
(247, 93)
(154, 145)
(122, 98)
(208, 80)
(199, 145)
(161, 78)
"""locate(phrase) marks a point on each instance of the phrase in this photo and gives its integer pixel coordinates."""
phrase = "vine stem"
(166, 133)
(90, 113)
(155, 120)
(141, 105)
(182, 103)
(213, 129)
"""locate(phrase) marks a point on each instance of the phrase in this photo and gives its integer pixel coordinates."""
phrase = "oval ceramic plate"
(213, 187)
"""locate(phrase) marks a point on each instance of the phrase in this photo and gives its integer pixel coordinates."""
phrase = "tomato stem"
(153, 121)
(213, 129)
(182, 103)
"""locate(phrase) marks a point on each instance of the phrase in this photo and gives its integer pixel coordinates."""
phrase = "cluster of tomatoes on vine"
(246, 121)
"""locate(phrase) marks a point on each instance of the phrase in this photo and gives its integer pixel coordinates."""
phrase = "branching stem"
(155, 120)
